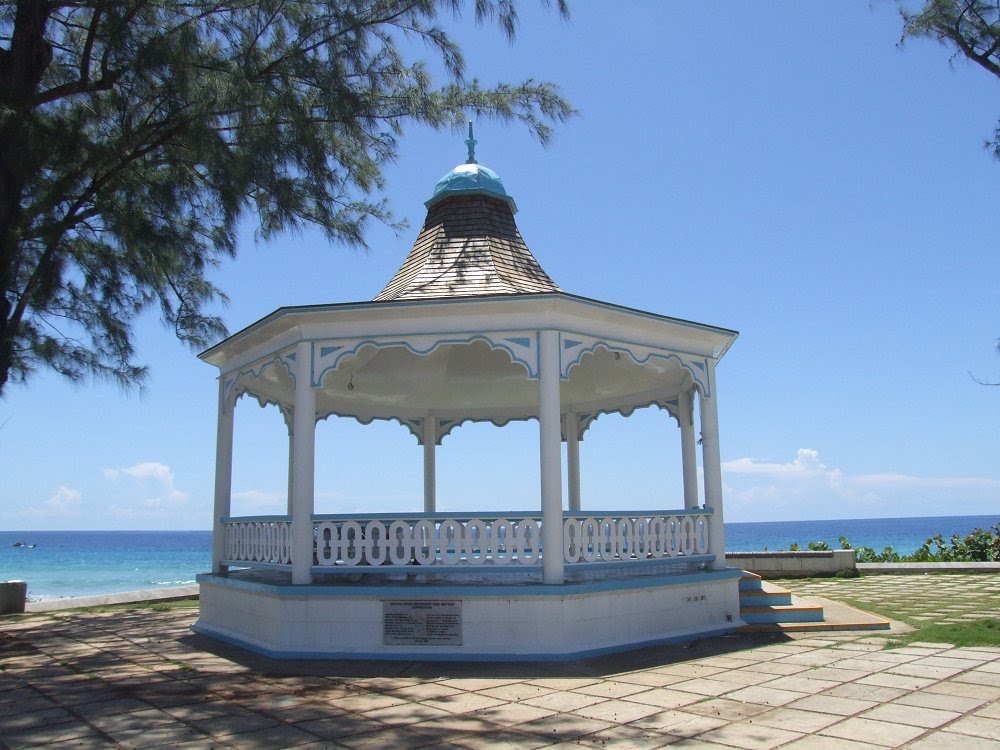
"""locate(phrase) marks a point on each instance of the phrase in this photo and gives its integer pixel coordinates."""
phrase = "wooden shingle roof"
(469, 246)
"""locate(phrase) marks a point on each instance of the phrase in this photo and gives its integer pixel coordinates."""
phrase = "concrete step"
(836, 616)
(765, 594)
(799, 610)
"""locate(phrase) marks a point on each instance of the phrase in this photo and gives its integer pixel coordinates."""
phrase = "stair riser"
(760, 618)
(766, 600)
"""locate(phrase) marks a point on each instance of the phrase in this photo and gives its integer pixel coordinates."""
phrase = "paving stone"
(680, 723)
(509, 714)
(563, 727)
(875, 693)
(569, 701)
(817, 742)
(965, 689)
(952, 741)
(500, 740)
(623, 738)
(665, 698)
(723, 708)
(43, 735)
(919, 716)
(796, 720)
(617, 711)
(463, 703)
(901, 681)
(750, 736)
(869, 730)
(765, 695)
(406, 713)
(940, 701)
(517, 691)
(922, 670)
(979, 677)
(705, 686)
(611, 689)
(829, 704)
(979, 726)
(991, 711)
(397, 738)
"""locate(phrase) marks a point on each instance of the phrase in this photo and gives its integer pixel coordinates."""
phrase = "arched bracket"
(670, 405)
(573, 348)
(522, 348)
(231, 389)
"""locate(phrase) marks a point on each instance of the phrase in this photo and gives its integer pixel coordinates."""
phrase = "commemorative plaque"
(422, 623)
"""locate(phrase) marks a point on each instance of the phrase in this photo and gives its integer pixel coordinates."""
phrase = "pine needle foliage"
(135, 135)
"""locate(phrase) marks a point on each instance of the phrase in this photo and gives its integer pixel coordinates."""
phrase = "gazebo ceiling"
(469, 359)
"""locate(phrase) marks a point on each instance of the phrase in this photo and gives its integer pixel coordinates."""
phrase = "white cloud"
(805, 466)
(65, 499)
(806, 487)
(154, 478)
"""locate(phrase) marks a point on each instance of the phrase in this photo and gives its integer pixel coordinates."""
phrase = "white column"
(689, 454)
(550, 454)
(291, 462)
(430, 470)
(573, 459)
(303, 465)
(712, 466)
(223, 480)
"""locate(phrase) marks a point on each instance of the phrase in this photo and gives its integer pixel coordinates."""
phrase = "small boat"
(22, 544)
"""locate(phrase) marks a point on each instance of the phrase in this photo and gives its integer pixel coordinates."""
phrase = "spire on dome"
(469, 244)
(471, 143)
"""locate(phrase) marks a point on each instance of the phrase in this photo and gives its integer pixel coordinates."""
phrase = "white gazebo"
(471, 329)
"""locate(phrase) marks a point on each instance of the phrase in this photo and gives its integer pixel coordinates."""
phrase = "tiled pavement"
(939, 598)
(139, 678)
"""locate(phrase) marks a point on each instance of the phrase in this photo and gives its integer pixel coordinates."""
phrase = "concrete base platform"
(480, 619)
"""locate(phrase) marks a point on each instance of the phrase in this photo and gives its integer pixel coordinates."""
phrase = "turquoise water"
(78, 563)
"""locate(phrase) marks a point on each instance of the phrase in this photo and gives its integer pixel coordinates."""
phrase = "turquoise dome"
(468, 179)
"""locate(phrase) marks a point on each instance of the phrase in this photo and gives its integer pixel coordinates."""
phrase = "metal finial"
(471, 143)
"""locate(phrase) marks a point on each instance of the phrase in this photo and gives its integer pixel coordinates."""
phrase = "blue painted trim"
(254, 565)
(613, 513)
(458, 656)
(642, 564)
(503, 299)
(436, 568)
(255, 519)
(513, 514)
(491, 514)
(467, 591)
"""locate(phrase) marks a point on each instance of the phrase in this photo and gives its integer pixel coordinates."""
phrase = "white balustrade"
(617, 538)
(259, 540)
(425, 540)
(428, 541)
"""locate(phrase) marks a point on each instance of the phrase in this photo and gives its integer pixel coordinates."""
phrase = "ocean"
(81, 563)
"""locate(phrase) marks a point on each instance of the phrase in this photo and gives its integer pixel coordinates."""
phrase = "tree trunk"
(21, 70)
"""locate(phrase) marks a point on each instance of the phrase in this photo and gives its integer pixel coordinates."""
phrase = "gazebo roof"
(469, 245)
(456, 335)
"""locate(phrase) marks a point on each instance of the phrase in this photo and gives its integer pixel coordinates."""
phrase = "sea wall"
(793, 564)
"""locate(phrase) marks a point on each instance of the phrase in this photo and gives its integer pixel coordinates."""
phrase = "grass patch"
(984, 632)
(981, 632)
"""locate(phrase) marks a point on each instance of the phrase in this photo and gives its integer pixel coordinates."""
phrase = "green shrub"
(982, 545)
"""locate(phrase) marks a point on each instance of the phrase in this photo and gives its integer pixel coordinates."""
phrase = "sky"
(784, 169)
